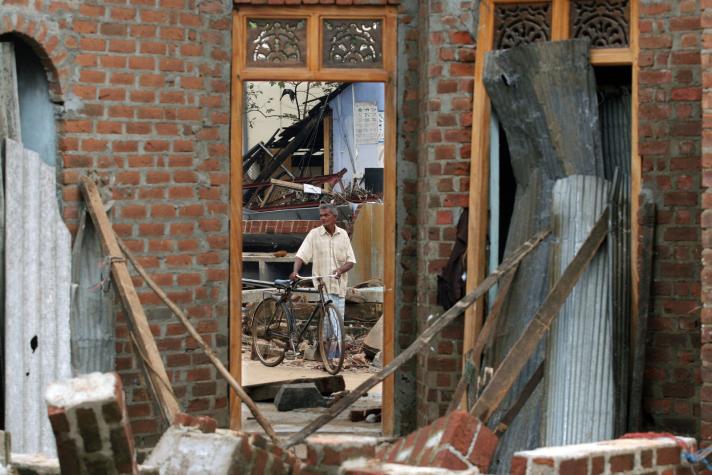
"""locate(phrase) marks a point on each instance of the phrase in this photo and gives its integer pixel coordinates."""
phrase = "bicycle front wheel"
(269, 331)
(331, 338)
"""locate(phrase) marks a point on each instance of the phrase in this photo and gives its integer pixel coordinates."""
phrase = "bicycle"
(275, 330)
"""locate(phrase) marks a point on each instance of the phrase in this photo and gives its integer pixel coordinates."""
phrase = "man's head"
(327, 215)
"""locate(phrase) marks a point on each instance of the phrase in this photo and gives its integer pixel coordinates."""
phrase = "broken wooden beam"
(303, 187)
(522, 399)
(204, 346)
(518, 356)
(141, 335)
(423, 340)
(483, 338)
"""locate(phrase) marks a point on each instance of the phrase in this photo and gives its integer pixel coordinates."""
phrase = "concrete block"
(298, 396)
(327, 385)
(186, 450)
(329, 452)
(34, 464)
(90, 424)
(375, 467)
(312, 353)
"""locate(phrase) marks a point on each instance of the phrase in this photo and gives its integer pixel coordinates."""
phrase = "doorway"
(307, 144)
(317, 40)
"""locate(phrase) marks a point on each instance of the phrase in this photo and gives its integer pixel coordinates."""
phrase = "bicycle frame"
(291, 320)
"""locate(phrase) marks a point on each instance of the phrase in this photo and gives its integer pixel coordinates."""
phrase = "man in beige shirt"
(329, 250)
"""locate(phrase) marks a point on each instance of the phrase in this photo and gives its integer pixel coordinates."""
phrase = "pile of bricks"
(89, 419)
(458, 441)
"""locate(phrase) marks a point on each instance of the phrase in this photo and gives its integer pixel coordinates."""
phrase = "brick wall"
(282, 227)
(447, 36)
(670, 90)
(706, 340)
(141, 89)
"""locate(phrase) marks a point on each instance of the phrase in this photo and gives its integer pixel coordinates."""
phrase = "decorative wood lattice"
(276, 43)
(605, 22)
(353, 43)
(521, 24)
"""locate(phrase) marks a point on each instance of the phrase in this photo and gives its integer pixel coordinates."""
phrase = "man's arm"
(350, 261)
(298, 263)
(344, 268)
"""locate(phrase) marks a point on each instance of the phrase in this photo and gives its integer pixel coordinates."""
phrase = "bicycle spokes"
(268, 330)
(331, 339)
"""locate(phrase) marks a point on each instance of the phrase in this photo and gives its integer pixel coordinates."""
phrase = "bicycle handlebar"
(331, 276)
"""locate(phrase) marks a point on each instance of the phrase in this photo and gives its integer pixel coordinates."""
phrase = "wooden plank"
(611, 56)
(313, 42)
(141, 335)
(636, 174)
(296, 186)
(367, 243)
(528, 389)
(334, 75)
(519, 355)
(560, 11)
(389, 226)
(423, 340)
(646, 219)
(479, 177)
(9, 101)
(235, 282)
(484, 338)
(304, 11)
(234, 385)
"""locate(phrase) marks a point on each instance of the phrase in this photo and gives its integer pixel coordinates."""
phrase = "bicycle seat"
(282, 283)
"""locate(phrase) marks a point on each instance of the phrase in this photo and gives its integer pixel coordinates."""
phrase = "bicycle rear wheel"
(331, 338)
(269, 331)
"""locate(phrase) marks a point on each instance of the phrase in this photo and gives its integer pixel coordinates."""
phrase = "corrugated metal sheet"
(579, 371)
(614, 111)
(37, 297)
(92, 316)
(9, 102)
(620, 265)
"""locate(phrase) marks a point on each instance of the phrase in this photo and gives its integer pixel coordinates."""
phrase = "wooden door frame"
(313, 71)
(479, 164)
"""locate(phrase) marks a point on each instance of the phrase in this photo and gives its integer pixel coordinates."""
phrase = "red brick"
(621, 463)
(518, 466)
(667, 456)
(574, 466)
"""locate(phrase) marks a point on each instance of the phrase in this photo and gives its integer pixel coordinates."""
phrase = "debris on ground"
(266, 392)
(358, 415)
(298, 396)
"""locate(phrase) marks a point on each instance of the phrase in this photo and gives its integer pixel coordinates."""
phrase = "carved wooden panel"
(276, 42)
(520, 24)
(353, 43)
(605, 22)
